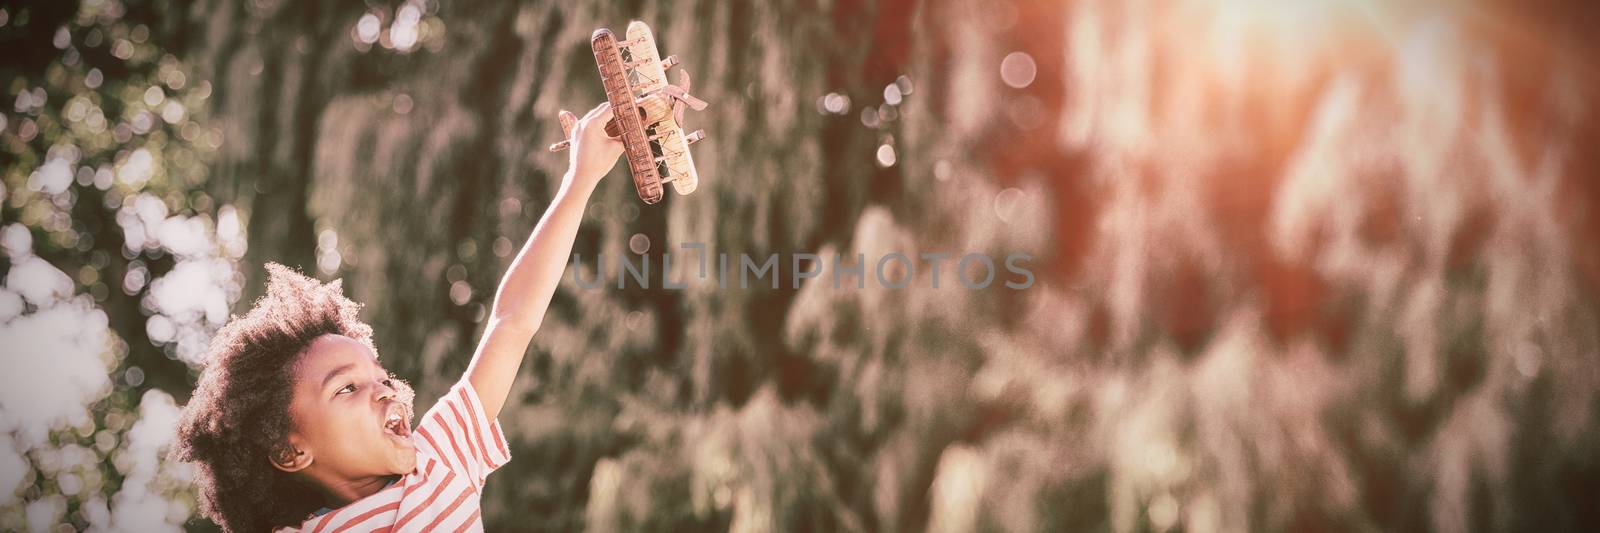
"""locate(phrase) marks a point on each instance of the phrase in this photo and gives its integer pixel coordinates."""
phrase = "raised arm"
(525, 291)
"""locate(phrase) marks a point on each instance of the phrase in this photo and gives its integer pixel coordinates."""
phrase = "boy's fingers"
(604, 115)
(596, 111)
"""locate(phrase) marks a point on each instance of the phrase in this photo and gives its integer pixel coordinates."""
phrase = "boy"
(294, 424)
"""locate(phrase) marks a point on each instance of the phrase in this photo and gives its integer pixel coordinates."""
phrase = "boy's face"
(349, 418)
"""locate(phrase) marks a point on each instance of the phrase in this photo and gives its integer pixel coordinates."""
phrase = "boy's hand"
(593, 152)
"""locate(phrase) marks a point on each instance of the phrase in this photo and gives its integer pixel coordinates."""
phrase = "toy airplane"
(647, 112)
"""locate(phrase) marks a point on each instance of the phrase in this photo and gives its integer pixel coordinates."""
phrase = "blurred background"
(1301, 265)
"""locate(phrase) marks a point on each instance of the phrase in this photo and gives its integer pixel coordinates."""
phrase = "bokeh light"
(1018, 70)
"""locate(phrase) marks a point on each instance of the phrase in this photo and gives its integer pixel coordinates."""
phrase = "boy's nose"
(385, 391)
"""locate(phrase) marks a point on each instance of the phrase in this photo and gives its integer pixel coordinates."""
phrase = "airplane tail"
(568, 121)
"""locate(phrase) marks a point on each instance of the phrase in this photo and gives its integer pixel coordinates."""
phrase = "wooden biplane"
(647, 112)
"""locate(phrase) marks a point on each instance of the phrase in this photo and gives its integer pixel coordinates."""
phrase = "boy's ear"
(291, 459)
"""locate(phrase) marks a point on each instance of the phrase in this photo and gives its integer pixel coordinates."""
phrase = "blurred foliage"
(105, 154)
(1300, 266)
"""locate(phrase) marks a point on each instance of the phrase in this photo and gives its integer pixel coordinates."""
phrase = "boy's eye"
(388, 383)
(347, 388)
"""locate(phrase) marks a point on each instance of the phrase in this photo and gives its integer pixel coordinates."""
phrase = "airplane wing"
(645, 72)
(614, 75)
(672, 151)
(648, 75)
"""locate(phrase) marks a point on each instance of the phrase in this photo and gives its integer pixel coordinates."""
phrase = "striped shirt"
(457, 448)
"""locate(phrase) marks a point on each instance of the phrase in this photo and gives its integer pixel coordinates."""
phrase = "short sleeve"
(459, 434)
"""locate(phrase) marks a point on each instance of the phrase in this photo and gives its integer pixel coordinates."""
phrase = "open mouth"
(394, 423)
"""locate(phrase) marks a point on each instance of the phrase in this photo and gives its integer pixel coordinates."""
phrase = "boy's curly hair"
(239, 417)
